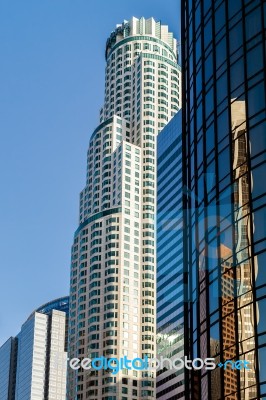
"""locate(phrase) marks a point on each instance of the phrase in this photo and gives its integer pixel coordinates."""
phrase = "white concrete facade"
(113, 272)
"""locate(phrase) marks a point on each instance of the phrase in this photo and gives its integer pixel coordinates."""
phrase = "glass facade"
(61, 304)
(223, 56)
(8, 355)
(33, 365)
(31, 370)
(170, 285)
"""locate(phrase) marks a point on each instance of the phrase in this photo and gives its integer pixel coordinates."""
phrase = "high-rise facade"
(224, 110)
(33, 365)
(170, 267)
(8, 360)
(113, 277)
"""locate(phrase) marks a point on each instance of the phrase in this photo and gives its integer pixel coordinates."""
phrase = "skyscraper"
(113, 282)
(8, 360)
(33, 365)
(170, 268)
(223, 57)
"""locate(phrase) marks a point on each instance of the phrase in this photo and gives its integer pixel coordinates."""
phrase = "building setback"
(223, 57)
(113, 276)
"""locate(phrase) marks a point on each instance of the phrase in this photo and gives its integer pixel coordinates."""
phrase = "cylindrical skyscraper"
(113, 281)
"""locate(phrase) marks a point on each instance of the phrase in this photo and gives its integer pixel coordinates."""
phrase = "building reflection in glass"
(224, 125)
(224, 301)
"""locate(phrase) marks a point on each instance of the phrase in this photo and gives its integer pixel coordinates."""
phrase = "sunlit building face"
(113, 271)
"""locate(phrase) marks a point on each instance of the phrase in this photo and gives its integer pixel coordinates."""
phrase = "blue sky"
(51, 91)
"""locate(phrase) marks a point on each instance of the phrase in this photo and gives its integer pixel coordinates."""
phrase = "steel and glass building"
(170, 267)
(8, 360)
(113, 276)
(224, 111)
(33, 365)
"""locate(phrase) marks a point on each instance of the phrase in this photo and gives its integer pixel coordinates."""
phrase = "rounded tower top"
(141, 26)
(60, 304)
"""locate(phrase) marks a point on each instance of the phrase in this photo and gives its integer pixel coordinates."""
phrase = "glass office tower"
(113, 277)
(170, 268)
(223, 56)
(33, 365)
(8, 361)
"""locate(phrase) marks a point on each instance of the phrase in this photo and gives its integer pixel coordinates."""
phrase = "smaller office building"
(33, 364)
